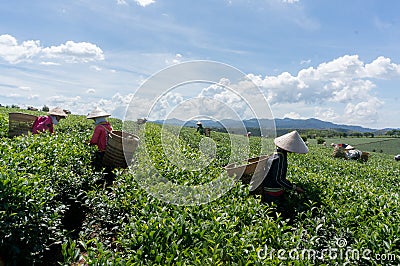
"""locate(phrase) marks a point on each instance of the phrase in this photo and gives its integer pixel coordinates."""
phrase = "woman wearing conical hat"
(47, 122)
(275, 182)
(200, 128)
(100, 134)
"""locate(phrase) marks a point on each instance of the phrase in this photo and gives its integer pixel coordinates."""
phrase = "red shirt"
(42, 123)
(100, 135)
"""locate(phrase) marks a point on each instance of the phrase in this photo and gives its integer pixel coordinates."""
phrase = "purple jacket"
(42, 123)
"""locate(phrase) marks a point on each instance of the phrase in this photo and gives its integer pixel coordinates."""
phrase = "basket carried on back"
(120, 149)
(339, 152)
(245, 171)
(20, 124)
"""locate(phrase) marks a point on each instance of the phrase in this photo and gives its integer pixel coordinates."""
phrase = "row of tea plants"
(54, 211)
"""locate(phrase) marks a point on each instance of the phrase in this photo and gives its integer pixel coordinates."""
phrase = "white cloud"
(144, 3)
(60, 99)
(71, 51)
(227, 100)
(174, 60)
(91, 91)
(49, 63)
(290, 1)
(25, 88)
(345, 80)
(120, 99)
(382, 68)
(343, 67)
(293, 115)
(122, 2)
(121, 106)
(305, 62)
(22, 95)
(363, 112)
(213, 91)
(33, 96)
(350, 91)
(80, 106)
(327, 114)
(14, 53)
(96, 68)
(217, 101)
(281, 88)
(165, 104)
(74, 52)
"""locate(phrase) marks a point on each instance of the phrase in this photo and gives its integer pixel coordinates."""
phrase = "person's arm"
(298, 189)
(95, 137)
(281, 177)
(42, 124)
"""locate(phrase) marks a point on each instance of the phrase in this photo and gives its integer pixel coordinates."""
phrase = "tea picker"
(200, 128)
(46, 123)
(100, 135)
(274, 182)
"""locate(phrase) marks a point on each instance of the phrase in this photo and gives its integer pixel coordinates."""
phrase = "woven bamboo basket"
(20, 124)
(245, 171)
(120, 149)
(339, 152)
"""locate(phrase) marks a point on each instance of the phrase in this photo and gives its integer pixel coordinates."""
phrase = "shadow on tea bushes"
(43, 182)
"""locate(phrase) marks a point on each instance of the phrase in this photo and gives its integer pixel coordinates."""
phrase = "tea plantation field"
(55, 210)
(378, 144)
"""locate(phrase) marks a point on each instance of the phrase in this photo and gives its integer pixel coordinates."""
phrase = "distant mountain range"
(313, 123)
(285, 123)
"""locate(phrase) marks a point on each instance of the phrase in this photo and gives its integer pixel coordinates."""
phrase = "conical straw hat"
(57, 111)
(97, 113)
(291, 142)
(349, 147)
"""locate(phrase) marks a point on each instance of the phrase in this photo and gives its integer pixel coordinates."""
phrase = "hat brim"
(291, 142)
(97, 116)
(57, 112)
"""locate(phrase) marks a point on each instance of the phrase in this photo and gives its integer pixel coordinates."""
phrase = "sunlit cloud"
(27, 51)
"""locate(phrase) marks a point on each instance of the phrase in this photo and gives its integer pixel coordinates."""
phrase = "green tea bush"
(46, 181)
(40, 177)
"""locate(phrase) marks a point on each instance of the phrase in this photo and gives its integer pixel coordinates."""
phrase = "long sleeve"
(280, 178)
(96, 136)
(42, 124)
(100, 136)
(276, 177)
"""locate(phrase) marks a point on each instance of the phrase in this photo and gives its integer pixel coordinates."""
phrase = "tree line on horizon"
(306, 133)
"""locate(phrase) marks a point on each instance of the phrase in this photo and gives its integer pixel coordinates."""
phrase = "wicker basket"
(245, 171)
(20, 124)
(339, 152)
(120, 149)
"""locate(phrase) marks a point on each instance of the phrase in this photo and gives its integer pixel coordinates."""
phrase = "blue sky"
(338, 61)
